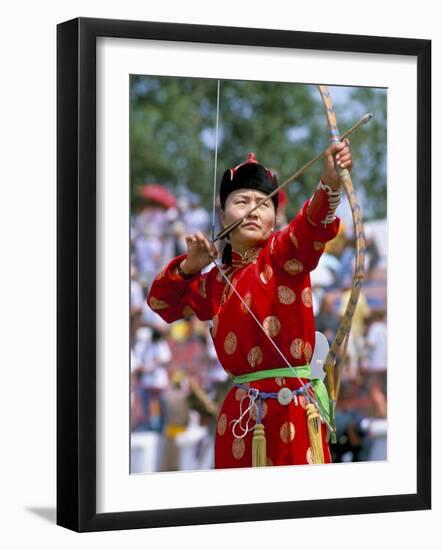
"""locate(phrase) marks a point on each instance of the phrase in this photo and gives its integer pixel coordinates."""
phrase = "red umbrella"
(157, 193)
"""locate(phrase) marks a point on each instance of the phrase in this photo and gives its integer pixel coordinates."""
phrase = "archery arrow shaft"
(366, 118)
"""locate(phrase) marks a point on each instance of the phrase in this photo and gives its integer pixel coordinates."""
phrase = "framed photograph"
(153, 119)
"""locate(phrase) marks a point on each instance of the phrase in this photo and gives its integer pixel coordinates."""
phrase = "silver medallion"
(285, 396)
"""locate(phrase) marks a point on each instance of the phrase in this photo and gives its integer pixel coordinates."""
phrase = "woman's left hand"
(340, 154)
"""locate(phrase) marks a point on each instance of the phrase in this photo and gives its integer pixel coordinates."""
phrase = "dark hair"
(227, 254)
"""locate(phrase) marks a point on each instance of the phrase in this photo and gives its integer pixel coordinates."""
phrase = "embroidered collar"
(249, 256)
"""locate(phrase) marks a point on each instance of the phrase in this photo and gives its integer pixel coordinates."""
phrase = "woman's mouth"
(251, 224)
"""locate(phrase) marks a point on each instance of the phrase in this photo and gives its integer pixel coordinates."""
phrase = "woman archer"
(260, 303)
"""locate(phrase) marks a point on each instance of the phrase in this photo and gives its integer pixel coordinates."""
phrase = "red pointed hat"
(248, 175)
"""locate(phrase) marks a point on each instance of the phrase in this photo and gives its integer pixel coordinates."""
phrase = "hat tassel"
(314, 434)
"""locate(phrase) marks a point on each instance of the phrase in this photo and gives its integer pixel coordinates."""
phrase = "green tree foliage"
(172, 133)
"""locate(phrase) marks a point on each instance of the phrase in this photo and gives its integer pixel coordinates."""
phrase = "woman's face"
(257, 227)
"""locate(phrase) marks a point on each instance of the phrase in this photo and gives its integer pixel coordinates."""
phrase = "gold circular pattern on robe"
(271, 325)
(238, 448)
(202, 287)
(287, 432)
(156, 304)
(248, 300)
(318, 245)
(222, 424)
(266, 274)
(280, 381)
(232, 285)
(306, 296)
(251, 255)
(215, 325)
(302, 400)
(293, 267)
(254, 357)
(294, 239)
(297, 347)
(308, 352)
(188, 312)
(240, 393)
(254, 411)
(286, 295)
(230, 343)
(309, 456)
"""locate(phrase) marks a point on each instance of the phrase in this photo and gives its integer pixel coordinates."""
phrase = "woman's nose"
(253, 215)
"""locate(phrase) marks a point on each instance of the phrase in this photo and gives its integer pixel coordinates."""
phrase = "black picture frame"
(76, 274)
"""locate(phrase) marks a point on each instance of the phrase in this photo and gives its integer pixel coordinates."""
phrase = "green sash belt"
(294, 372)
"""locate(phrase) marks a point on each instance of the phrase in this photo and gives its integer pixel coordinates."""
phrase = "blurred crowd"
(176, 379)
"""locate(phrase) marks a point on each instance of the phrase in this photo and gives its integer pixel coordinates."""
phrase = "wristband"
(334, 198)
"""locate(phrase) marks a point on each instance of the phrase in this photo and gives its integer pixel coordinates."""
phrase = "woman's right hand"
(200, 253)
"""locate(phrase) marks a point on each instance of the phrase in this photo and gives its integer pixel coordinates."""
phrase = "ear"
(222, 217)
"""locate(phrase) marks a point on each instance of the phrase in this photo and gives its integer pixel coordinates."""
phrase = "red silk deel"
(273, 279)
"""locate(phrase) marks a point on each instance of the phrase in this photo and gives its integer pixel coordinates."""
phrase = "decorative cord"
(334, 198)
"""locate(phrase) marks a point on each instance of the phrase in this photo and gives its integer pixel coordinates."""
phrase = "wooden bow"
(333, 380)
